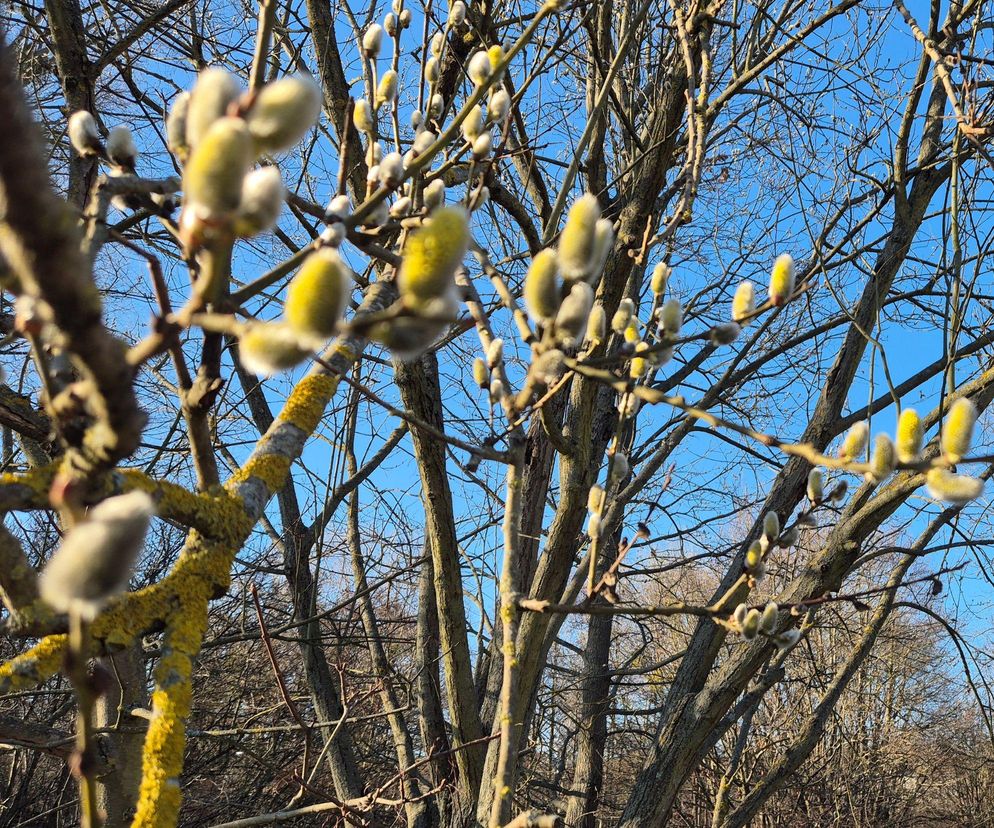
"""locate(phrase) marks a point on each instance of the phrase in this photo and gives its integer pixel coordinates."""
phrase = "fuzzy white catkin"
(499, 106)
(121, 148)
(362, 116)
(479, 68)
(372, 40)
(262, 201)
(83, 133)
(97, 556)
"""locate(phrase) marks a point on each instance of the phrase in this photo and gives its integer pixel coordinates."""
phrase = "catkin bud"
(549, 367)
(401, 207)
(620, 468)
(481, 376)
(362, 116)
(816, 486)
(787, 639)
(482, 146)
(726, 333)
(390, 24)
(432, 71)
(671, 317)
(434, 194)
(121, 149)
(437, 43)
(909, 436)
(771, 526)
(176, 126)
(97, 556)
(215, 90)
(571, 320)
(473, 125)
(596, 324)
(261, 202)
(212, 180)
(391, 169)
(318, 295)
(405, 18)
(883, 460)
(595, 500)
(770, 617)
(496, 389)
(541, 288)
(594, 525)
(959, 489)
(632, 335)
(739, 615)
(423, 141)
(457, 14)
(338, 209)
(789, 537)
(957, 431)
(623, 315)
(479, 68)
(283, 112)
(750, 626)
(855, 443)
(83, 133)
(431, 256)
(407, 337)
(603, 243)
(266, 348)
(577, 240)
(372, 41)
(495, 352)
(499, 106)
(496, 55)
(754, 556)
(782, 280)
(660, 277)
(744, 303)
(386, 91)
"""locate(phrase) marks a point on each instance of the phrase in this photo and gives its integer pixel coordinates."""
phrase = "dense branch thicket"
(495, 414)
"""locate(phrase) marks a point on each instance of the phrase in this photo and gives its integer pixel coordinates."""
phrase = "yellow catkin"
(578, 238)
(212, 180)
(283, 112)
(541, 290)
(432, 255)
(782, 280)
(909, 436)
(318, 294)
(957, 431)
(958, 489)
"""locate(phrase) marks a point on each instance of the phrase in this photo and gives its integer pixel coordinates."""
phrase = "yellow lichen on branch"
(33, 666)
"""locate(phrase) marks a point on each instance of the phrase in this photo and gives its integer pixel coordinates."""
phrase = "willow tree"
(540, 325)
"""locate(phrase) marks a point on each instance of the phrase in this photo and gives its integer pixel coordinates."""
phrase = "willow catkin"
(782, 280)
(909, 436)
(121, 149)
(283, 112)
(83, 134)
(318, 295)
(541, 286)
(212, 180)
(578, 238)
(958, 489)
(957, 430)
(97, 556)
(744, 303)
(262, 200)
(855, 442)
(215, 90)
(431, 257)
(267, 348)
